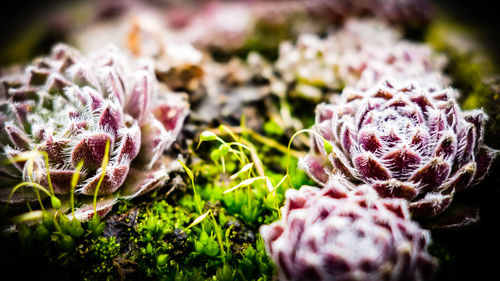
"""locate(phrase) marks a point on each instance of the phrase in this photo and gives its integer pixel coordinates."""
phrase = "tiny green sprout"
(75, 228)
(225, 273)
(188, 171)
(250, 213)
(244, 183)
(56, 203)
(64, 224)
(149, 248)
(191, 177)
(41, 232)
(218, 233)
(271, 202)
(227, 234)
(198, 220)
(95, 225)
(206, 244)
(245, 168)
(67, 242)
(47, 219)
(161, 260)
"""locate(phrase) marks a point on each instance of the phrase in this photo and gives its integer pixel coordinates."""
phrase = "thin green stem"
(233, 135)
(49, 181)
(104, 164)
(288, 154)
(74, 182)
(219, 236)
(35, 185)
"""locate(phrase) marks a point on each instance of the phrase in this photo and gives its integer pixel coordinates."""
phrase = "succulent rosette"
(343, 232)
(360, 54)
(411, 12)
(70, 107)
(406, 141)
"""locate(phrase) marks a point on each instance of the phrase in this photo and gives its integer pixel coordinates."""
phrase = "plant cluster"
(93, 126)
(359, 54)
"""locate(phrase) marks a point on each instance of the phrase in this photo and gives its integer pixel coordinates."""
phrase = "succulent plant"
(411, 12)
(406, 141)
(346, 232)
(69, 106)
(361, 53)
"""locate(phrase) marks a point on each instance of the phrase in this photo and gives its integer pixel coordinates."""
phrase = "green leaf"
(67, 242)
(198, 219)
(96, 226)
(211, 248)
(161, 260)
(250, 213)
(41, 232)
(244, 183)
(149, 249)
(225, 273)
(245, 168)
(76, 229)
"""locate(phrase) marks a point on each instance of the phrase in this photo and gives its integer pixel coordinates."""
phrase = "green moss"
(102, 254)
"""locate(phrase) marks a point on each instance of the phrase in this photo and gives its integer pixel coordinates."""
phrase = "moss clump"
(101, 258)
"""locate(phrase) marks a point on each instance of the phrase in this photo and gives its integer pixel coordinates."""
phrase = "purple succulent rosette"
(406, 141)
(70, 106)
(346, 232)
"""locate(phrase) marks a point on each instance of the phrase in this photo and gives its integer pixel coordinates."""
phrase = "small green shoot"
(245, 183)
(191, 177)
(198, 220)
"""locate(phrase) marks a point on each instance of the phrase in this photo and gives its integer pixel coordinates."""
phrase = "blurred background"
(30, 27)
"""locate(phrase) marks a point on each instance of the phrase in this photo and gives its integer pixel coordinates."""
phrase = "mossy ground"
(155, 239)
